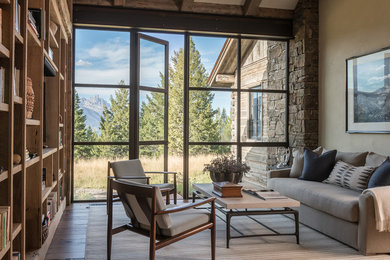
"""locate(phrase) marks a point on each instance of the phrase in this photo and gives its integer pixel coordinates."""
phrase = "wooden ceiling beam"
(251, 7)
(186, 5)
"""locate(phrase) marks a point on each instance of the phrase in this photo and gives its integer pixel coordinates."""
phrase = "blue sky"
(103, 57)
(371, 72)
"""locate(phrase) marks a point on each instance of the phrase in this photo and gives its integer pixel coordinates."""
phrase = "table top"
(247, 201)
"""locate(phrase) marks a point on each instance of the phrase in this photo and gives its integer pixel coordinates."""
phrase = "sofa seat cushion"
(334, 200)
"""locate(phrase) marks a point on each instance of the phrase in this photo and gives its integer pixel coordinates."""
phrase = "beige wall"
(348, 28)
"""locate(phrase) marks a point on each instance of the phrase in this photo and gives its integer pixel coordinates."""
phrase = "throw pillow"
(317, 167)
(356, 159)
(297, 165)
(351, 177)
(381, 176)
(374, 159)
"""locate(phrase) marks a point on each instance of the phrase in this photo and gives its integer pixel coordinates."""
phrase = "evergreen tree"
(114, 124)
(82, 133)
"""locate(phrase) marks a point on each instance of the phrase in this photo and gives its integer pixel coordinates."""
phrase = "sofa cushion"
(356, 159)
(374, 159)
(334, 200)
(351, 177)
(381, 176)
(297, 165)
(317, 167)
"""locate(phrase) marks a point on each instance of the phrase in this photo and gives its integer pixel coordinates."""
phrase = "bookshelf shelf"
(61, 125)
(32, 161)
(23, 55)
(16, 169)
(4, 52)
(61, 147)
(45, 193)
(19, 38)
(33, 37)
(16, 228)
(4, 250)
(3, 176)
(50, 60)
(4, 107)
(33, 122)
(46, 152)
(53, 41)
(18, 100)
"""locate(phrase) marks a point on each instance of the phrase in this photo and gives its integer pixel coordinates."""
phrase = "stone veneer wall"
(303, 87)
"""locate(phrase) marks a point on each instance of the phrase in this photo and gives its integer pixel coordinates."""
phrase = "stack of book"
(4, 226)
(227, 189)
(32, 22)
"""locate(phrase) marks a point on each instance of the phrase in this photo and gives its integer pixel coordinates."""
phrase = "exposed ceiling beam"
(186, 5)
(189, 6)
(251, 7)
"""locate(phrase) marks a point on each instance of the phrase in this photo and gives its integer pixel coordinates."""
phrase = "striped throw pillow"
(351, 177)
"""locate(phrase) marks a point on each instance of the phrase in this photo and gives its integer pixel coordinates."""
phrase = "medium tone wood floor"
(82, 235)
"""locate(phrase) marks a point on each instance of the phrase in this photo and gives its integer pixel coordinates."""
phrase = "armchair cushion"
(185, 220)
(164, 185)
(128, 168)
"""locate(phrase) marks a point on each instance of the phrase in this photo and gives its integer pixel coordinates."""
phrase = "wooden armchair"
(150, 217)
(133, 168)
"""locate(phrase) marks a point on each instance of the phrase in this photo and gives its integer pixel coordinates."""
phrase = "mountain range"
(93, 108)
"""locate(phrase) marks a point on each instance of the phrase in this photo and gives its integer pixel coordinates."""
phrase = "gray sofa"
(346, 215)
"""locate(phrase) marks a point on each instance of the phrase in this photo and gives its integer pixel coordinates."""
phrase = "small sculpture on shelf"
(30, 99)
(17, 158)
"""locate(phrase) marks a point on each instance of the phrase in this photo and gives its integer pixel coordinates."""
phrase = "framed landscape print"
(368, 93)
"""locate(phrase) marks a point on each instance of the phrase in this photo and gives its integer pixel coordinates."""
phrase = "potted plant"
(226, 168)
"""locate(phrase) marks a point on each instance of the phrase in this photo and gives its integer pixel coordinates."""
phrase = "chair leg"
(175, 197)
(213, 235)
(168, 198)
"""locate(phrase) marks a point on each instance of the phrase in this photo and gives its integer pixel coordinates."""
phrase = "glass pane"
(101, 115)
(259, 159)
(152, 159)
(213, 62)
(152, 64)
(151, 116)
(102, 57)
(263, 64)
(199, 155)
(212, 116)
(90, 169)
(263, 117)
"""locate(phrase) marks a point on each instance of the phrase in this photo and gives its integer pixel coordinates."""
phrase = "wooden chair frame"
(166, 192)
(142, 193)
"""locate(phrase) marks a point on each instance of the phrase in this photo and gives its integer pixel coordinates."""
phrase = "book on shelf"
(4, 226)
(17, 82)
(15, 255)
(37, 21)
(18, 10)
(2, 84)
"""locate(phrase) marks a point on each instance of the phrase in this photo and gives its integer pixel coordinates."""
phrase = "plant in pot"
(226, 168)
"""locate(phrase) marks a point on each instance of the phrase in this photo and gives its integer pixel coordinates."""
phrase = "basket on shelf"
(30, 99)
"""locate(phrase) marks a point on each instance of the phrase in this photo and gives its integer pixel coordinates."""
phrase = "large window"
(183, 100)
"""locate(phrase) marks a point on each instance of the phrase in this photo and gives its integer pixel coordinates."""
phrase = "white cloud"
(376, 79)
(83, 63)
(102, 75)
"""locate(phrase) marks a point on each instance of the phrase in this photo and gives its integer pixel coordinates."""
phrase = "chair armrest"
(161, 173)
(279, 173)
(185, 207)
(129, 177)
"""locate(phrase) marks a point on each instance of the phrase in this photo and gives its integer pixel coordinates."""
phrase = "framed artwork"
(368, 93)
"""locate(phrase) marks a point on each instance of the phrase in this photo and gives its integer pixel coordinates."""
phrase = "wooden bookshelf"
(22, 50)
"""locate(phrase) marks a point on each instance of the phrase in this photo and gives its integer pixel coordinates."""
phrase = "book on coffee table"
(227, 189)
(270, 195)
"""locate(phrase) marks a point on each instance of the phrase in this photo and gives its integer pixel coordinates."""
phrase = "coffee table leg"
(296, 216)
(228, 217)
(193, 196)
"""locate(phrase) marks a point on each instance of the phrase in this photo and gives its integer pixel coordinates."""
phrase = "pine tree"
(82, 133)
(114, 124)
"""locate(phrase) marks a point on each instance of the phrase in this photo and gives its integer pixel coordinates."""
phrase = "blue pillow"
(381, 176)
(317, 167)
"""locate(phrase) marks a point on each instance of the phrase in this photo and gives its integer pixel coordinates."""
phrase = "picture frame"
(368, 92)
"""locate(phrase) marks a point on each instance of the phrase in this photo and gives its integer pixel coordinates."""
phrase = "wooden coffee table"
(249, 205)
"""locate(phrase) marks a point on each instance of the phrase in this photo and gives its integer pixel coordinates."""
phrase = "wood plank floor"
(82, 235)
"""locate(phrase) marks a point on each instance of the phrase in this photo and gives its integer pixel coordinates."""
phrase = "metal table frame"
(249, 213)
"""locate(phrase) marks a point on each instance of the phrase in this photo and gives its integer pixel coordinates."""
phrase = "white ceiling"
(276, 4)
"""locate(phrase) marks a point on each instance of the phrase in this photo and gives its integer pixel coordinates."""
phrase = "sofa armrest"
(370, 240)
(279, 173)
